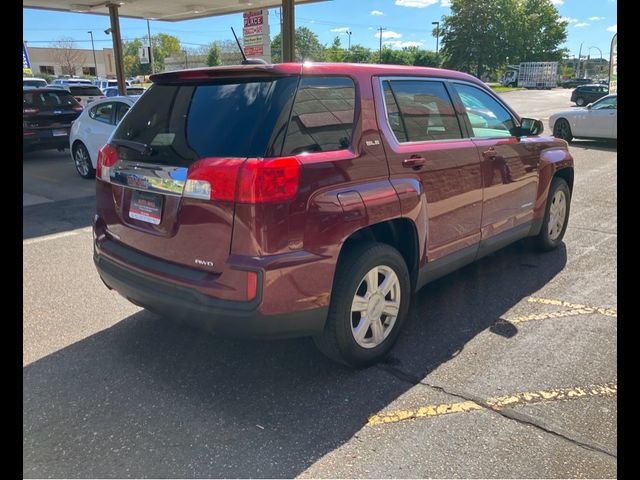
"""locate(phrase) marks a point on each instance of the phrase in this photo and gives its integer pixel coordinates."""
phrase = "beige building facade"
(76, 61)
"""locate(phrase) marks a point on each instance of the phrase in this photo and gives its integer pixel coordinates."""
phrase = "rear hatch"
(174, 131)
(45, 110)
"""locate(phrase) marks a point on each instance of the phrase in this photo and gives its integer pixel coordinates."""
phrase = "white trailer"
(541, 75)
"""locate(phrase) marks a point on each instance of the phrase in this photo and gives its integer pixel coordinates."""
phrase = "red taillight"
(107, 158)
(102, 96)
(28, 133)
(77, 108)
(252, 285)
(213, 179)
(79, 99)
(30, 111)
(253, 180)
(268, 180)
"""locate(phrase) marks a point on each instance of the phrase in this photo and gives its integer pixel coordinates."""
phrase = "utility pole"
(349, 32)
(150, 48)
(437, 24)
(380, 33)
(93, 49)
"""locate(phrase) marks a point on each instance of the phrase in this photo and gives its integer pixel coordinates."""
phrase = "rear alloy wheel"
(562, 130)
(82, 161)
(580, 101)
(556, 216)
(370, 300)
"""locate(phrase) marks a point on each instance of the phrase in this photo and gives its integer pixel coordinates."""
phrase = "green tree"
(163, 46)
(213, 57)
(359, 54)
(477, 37)
(308, 47)
(335, 53)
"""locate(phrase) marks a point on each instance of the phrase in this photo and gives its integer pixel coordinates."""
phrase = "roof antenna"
(245, 60)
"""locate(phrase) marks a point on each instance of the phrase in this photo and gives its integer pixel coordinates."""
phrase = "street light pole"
(600, 65)
(93, 49)
(380, 33)
(579, 57)
(437, 24)
(349, 32)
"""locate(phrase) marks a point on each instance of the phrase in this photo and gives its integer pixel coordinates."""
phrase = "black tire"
(337, 340)
(511, 85)
(82, 161)
(562, 130)
(581, 102)
(545, 240)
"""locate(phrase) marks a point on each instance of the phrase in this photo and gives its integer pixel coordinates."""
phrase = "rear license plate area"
(60, 132)
(146, 207)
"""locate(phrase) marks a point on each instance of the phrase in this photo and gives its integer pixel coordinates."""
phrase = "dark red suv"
(315, 199)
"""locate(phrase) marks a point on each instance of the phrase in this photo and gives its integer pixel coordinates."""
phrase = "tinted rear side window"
(322, 116)
(226, 118)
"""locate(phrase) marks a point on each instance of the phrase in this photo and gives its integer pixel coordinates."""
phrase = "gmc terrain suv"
(315, 199)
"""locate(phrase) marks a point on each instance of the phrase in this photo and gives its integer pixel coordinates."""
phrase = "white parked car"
(91, 130)
(103, 84)
(85, 94)
(34, 82)
(597, 120)
(113, 91)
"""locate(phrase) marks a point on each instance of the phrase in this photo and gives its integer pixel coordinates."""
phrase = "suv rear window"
(85, 91)
(222, 118)
(46, 100)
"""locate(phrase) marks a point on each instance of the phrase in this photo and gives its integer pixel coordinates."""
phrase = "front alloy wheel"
(556, 216)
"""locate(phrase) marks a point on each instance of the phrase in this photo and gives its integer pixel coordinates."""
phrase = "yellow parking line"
(497, 403)
(609, 312)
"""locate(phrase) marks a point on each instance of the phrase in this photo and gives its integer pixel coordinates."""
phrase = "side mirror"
(530, 127)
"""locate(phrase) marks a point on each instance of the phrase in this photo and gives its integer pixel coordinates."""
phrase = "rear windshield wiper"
(141, 148)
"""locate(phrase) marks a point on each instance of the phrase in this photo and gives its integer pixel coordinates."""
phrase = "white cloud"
(613, 28)
(388, 34)
(582, 24)
(445, 3)
(369, 28)
(340, 30)
(557, 2)
(415, 3)
(401, 44)
(376, 12)
(568, 19)
(594, 19)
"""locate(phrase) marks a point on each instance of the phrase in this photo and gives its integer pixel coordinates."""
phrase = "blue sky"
(407, 22)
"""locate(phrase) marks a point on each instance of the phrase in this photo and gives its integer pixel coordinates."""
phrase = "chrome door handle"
(415, 162)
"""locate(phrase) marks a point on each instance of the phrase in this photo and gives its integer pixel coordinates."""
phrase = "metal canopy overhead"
(172, 11)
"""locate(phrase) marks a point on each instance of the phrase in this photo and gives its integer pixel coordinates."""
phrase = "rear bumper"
(235, 318)
(43, 138)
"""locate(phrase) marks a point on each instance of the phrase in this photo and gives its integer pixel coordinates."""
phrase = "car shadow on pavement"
(152, 398)
(602, 145)
(56, 217)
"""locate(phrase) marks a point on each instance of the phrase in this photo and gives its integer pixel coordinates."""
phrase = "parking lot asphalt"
(506, 368)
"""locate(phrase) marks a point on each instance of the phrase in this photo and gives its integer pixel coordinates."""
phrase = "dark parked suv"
(47, 114)
(315, 199)
(588, 93)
